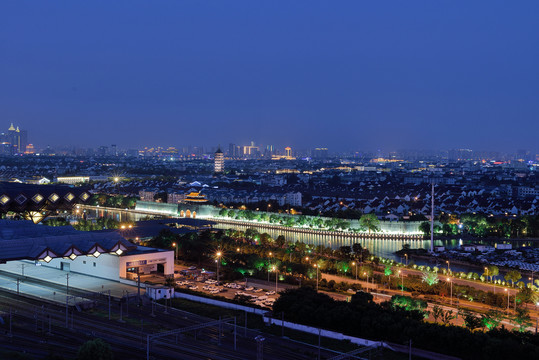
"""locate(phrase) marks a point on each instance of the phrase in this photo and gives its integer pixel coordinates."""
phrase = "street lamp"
(270, 254)
(451, 285)
(402, 282)
(406, 256)
(507, 298)
(218, 263)
(175, 251)
(355, 264)
(447, 261)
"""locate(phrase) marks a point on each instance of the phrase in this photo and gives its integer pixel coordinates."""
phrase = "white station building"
(104, 254)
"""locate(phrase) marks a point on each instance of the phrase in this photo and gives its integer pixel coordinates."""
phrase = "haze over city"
(347, 75)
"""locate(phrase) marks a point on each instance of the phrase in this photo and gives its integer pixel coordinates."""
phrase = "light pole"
(316, 267)
(175, 251)
(218, 263)
(451, 286)
(276, 277)
(507, 298)
(365, 273)
(406, 256)
(269, 264)
(355, 264)
(402, 282)
(448, 272)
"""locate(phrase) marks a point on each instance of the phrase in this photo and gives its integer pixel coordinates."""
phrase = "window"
(95, 264)
(84, 262)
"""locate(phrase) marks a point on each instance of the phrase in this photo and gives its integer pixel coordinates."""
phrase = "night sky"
(343, 74)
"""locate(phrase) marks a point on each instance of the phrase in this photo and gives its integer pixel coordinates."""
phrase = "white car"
(194, 287)
(272, 292)
(258, 290)
(250, 288)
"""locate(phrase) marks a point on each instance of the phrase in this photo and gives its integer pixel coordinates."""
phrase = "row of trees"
(367, 222)
(402, 319)
(482, 225)
(116, 201)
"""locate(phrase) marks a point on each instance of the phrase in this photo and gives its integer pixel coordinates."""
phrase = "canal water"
(382, 247)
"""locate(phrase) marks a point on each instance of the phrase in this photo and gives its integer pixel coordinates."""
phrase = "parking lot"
(255, 295)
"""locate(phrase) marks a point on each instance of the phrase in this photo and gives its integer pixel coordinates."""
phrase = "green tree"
(436, 313)
(424, 227)
(447, 316)
(370, 222)
(522, 319)
(471, 321)
(513, 276)
(491, 271)
(492, 319)
(95, 349)
(366, 270)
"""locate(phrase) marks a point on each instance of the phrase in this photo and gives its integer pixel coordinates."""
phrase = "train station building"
(103, 254)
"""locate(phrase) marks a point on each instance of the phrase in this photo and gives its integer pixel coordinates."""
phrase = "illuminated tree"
(513, 276)
(429, 277)
(492, 319)
(370, 222)
(491, 271)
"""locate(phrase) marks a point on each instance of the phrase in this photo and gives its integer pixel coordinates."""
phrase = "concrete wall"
(322, 332)
(219, 303)
(105, 266)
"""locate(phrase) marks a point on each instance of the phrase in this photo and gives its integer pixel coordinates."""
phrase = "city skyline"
(10, 147)
(347, 76)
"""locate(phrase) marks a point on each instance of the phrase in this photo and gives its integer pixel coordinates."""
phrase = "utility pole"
(138, 286)
(432, 220)
(67, 284)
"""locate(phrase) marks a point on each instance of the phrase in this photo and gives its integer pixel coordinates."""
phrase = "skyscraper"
(14, 141)
(219, 161)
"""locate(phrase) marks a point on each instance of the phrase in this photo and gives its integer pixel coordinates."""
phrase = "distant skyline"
(346, 75)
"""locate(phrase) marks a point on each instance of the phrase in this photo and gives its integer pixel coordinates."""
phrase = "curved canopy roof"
(25, 240)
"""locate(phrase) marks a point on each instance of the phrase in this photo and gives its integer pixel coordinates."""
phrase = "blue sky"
(342, 74)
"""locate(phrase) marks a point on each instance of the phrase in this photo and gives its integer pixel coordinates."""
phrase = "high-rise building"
(251, 150)
(219, 161)
(14, 141)
(234, 150)
(320, 153)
